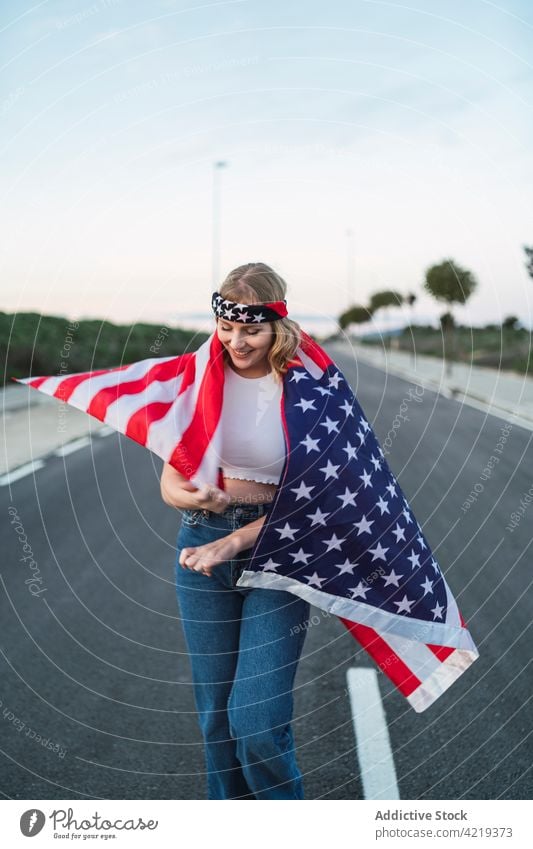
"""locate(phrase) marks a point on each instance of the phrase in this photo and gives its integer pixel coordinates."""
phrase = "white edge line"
(374, 752)
(105, 430)
(22, 471)
(72, 446)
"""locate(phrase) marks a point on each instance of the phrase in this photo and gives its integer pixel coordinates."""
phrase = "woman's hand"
(178, 492)
(203, 558)
(210, 497)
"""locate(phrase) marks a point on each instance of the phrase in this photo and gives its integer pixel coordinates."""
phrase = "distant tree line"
(32, 344)
(447, 282)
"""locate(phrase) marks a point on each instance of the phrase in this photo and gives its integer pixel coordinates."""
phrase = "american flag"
(339, 532)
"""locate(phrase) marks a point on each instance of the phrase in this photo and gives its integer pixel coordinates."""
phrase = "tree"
(447, 320)
(510, 323)
(355, 315)
(529, 263)
(410, 299)
(385, 299)
(452, 284)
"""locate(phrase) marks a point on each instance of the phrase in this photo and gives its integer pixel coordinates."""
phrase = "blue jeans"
(244, 645)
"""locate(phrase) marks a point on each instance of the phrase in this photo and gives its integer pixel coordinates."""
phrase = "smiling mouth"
(242, 355)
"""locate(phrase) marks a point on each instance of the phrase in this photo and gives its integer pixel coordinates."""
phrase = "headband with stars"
(248, 313)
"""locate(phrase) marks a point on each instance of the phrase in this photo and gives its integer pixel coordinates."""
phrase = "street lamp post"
(215, 247)
(350, 267)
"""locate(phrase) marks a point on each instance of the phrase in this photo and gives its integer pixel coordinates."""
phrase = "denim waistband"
(253, 510)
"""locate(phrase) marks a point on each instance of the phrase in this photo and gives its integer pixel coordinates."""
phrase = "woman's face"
(248, 344)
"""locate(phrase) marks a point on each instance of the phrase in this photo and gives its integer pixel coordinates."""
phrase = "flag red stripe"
(442, 652)
(67, 386)
(188, 454)
(35, 383)
(109, 394)
(388, 661)
(139, 423)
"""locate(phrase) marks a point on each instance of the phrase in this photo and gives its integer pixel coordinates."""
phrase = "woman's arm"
(246, 537)
(177, 491)
(203, 558)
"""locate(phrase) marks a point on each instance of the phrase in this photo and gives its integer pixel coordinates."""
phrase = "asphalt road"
(96, 699)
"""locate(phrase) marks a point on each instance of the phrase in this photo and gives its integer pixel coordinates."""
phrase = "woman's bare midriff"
(249, 492)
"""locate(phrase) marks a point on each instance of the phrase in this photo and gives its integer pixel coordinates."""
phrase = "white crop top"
(252, 443)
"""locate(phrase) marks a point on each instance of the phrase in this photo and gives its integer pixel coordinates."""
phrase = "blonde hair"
(255, 283)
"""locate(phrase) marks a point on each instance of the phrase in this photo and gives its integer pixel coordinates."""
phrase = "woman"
(244, 643)
(305, 510)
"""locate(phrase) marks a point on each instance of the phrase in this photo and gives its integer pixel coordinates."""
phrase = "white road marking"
(105, 431)
(22, 471)
(70, 447)
(371, 735)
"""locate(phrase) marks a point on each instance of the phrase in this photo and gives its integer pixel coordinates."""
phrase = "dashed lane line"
(376, 763)
(72, 446)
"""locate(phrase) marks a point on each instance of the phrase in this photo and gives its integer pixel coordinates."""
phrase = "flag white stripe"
(310, 364)
(421, 661)
(120, 411)
(452, 611)
(84, 393)
(165, 434)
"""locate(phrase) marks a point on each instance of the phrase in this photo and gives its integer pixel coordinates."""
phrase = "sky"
(407, 125)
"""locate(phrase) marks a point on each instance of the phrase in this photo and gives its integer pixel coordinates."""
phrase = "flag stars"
(399, 533)
(310, 444)
(347, 409)
(435, 566)
(333, 543)
(360, 435)
(364, 526)
(345, 568)
(270, 566)
(299, 375)
(331, 425)
(427, 586)
(359, 591)
(364, 424)
(318, 517)
(366, 478)
(414, 559)
(421, 542)
(334, 380)
(315, 580)
(378, 552)
(303, 491)
(305, 405)
(347, 498)
(404, 606)
(376, 462)
(330, 471)
(437, 611)
(300, 556)
(351, 451)
(286, 532)
(407, 516)
(323, 391)
(392, 578)
(383, 505)
(392, 490)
